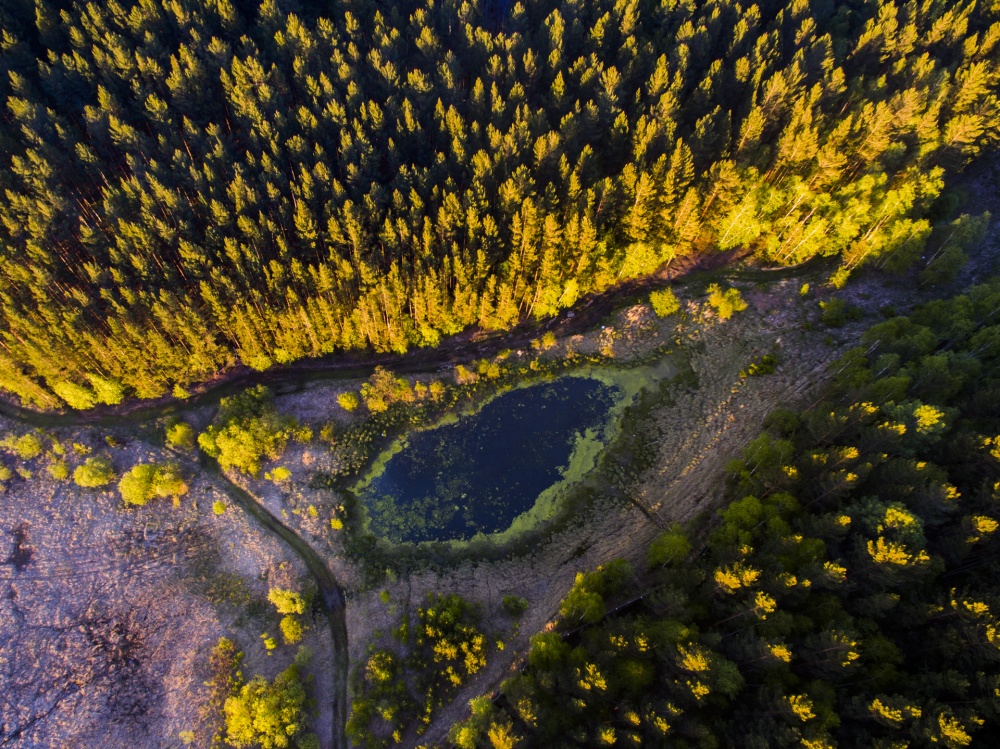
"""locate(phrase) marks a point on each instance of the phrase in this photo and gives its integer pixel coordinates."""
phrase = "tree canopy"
(844, 596)
(144, 481)
(249, 430)
(193, 186)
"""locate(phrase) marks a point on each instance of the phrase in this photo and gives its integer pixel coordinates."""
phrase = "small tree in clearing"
(287, 601)
(664, 302)
(349, 401)
(181, 436)
(147, 480)
(727, 302)
(94, 472)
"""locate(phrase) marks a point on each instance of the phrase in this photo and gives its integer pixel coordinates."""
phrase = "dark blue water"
(478, 474)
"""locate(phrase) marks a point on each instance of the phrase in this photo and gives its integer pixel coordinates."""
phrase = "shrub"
(147, 480)
(287, 601)
(94, 472)
(348, 401)
(514, 605)
(664, 302)
(464, 375)
(585, 600)
(180, 435)
(291, 629)
(384, 388)
(489, 370)
(546, 342)
(669, 548)
(58, 470)
(251, 430)
(279, 475)
(26, 447)
(727, 302)
(218, 507)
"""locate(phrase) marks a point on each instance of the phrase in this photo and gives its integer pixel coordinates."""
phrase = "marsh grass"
(628, 451)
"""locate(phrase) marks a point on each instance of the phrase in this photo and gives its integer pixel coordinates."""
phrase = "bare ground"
(107, 614)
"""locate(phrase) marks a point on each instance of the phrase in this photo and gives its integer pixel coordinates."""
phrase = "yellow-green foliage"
(218, 507)
(75, 395)
(383, 389)
(488, 369)
(181, 435)
(287, 601)
(270, 714)
(664, 302)
(249, 430)
(348, 401)
(26, 447)
(291, 629)
(147, 480)
(669, 548)
(725, 302)
(446, 648)
(58, 469)
(94, 472)
(585, 600)
(255, 213)
(278, 475)
(546, 342)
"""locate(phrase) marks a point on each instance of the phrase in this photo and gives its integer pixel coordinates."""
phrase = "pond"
(479, 473)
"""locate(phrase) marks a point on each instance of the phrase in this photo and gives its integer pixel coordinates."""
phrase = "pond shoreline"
(548, 504)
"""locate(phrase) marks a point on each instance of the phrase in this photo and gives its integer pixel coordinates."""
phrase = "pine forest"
(191, 186)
